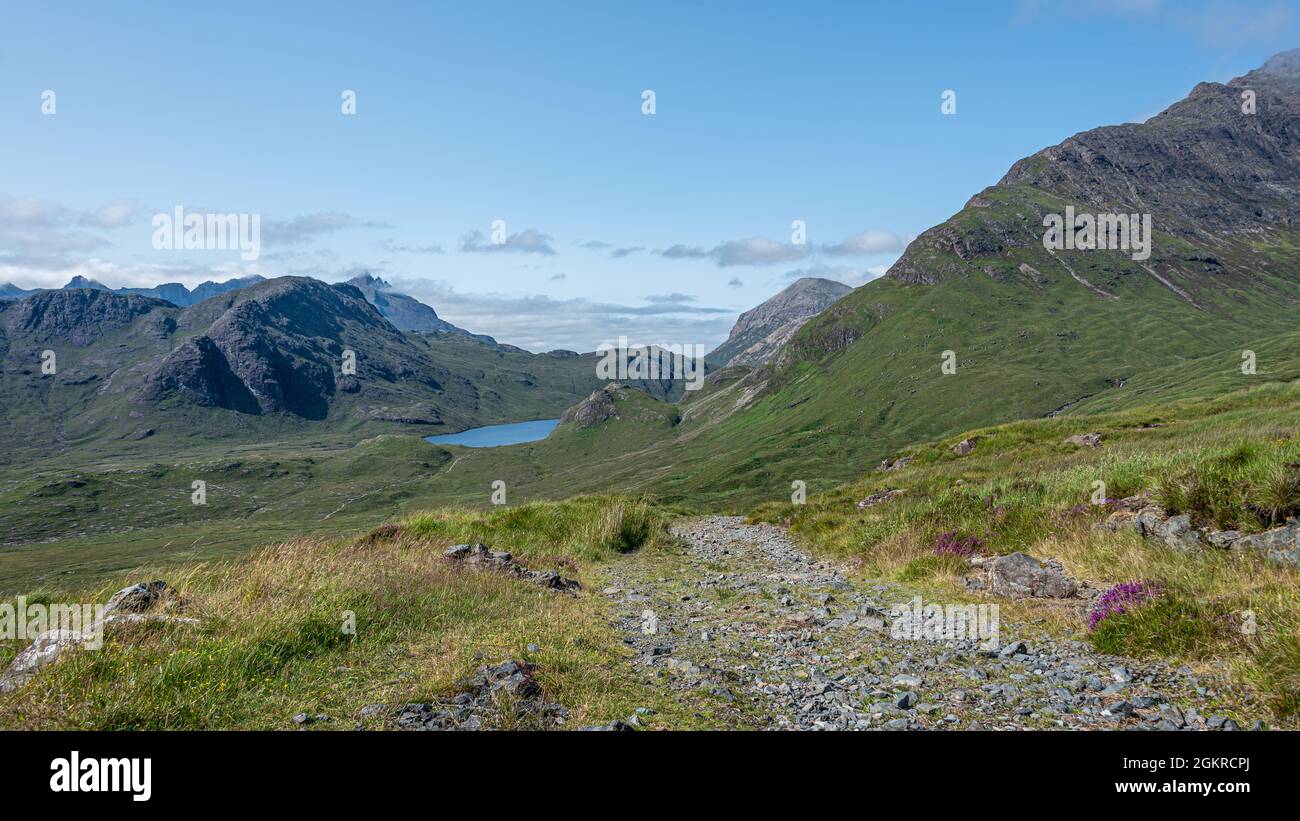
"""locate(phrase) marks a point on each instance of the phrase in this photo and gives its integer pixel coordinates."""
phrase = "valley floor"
(780, 620)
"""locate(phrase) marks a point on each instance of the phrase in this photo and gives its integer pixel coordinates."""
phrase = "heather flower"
(1122, 598)
(951, 544)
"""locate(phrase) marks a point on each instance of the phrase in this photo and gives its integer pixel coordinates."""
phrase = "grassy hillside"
(270, 646)
(1224, 460)
(271, 643)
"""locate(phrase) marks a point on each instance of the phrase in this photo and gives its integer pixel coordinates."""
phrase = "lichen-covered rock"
(140, 597)
(44, 649)
(1020, 575)
(478, 555)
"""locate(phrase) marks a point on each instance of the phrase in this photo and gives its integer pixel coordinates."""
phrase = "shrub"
(1166, 624)
(952, 544)
(1120, 599)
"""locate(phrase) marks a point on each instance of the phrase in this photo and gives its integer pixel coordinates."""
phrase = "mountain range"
(979, 322)
(405, 312)
(291, 356)
(173, 292)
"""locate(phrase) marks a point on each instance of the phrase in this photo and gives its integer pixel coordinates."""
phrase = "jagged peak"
(79, 281)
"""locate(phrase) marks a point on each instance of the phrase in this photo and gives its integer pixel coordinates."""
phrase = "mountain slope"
(1030, 331)
(761, 331)
(405, 312)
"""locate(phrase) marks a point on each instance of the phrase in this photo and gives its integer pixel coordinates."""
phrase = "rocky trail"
(762, 636)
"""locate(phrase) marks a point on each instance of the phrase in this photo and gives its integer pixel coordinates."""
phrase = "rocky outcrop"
(141, 597)
(964, 448)
(1085, 440)
(760, 332)
(1020, 575)
(478, 555)
(879, 498)
(505, 695)
(895, 464)
(597, 408)
(128, 606)
(1280, 545)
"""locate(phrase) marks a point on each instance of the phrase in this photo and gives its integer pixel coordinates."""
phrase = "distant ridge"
(173, 292)
(406, 312)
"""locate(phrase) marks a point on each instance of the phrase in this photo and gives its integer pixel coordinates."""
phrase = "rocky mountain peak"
(79, 281)
(761, 331)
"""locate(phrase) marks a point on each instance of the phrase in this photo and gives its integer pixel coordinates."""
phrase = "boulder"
(124, 608)
(478, 555)
(964, 447)
(1085, 440)
(1020, 575)
(46, 648)
(139, 597)
(1177, 532)
(1281, 545)
(895, 464)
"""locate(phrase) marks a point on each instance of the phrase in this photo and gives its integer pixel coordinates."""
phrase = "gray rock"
(879, 498)
(1086, 440)
(138, 597)
(1020, 575)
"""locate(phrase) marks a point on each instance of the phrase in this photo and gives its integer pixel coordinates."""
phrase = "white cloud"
(542, 323)
(529, 241)
(869, 242)
(310, 226)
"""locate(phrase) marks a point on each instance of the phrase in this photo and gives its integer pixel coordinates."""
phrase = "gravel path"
(760, 635)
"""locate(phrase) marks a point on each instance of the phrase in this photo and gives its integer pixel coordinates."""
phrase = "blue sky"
(531, 113)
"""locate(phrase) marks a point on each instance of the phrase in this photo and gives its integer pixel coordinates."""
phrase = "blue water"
(493, 436)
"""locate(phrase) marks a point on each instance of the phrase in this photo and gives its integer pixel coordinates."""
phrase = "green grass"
(1024, 488)
(1172, 625)
(271, 643)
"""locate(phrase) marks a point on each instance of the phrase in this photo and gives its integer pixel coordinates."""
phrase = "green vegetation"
(271, 642)
(1025, 488)
(1174, 625)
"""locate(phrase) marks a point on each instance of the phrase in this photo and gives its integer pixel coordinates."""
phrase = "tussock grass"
(272, 641)
(586, 528)
(1231, 462)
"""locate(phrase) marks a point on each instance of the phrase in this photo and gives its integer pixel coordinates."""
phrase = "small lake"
(492, 436)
